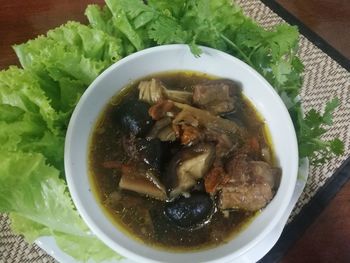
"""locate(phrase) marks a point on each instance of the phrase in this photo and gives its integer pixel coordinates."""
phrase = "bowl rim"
(68, 154)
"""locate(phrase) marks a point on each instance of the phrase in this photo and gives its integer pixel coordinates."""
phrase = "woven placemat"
(324, 79)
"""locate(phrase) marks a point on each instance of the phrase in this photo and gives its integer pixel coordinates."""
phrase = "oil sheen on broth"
(182, 161)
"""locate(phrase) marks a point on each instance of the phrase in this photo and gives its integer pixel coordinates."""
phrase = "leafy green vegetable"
(85, 248)
(28, 133)
(20, 89)
(39, 205)
(30, 229)
(67, 60)
(100, 18)
(36, 102)
(45, 201)
(27, 120)
(35, 106)
(312, 128)
(122, 23)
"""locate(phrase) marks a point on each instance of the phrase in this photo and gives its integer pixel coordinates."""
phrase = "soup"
(182, 161)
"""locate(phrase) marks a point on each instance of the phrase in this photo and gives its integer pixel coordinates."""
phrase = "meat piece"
(262, 171)
(225, 143)
(242, 170)
(188, 166)
(142, 181)
(217, 96)
(238, 169)
(154, 91)
(214, 178)
(249, 185)
(190, 135)
(235, 171)
(246, 196)
(162, 109)
(254, 146)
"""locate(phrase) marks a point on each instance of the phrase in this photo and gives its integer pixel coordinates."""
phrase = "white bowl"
(170, 58)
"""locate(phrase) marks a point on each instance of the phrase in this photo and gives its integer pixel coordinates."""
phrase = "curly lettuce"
(39, 204)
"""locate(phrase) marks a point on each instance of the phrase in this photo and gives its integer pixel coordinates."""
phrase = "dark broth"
(142, 217)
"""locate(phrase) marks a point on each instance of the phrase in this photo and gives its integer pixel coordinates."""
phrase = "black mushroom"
(143, 181)
(133, 117)
(153, 91)
(142, 150)
(190, 212)
(217, 96)
(187, 166)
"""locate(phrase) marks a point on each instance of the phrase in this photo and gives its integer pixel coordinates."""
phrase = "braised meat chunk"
(217, 96)
(249, 185)
(246, 196)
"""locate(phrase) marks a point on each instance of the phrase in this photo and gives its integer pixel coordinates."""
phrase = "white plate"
(49, 245)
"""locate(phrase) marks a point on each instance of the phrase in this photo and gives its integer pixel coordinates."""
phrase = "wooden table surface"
(328, 238)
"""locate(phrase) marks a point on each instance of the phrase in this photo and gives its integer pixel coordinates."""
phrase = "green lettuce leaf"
(30, 229)
(35, 106)
(67, 60)
(32, 189)
(85, 248)
(21, 89)
(122, 23)
(39, 204)
(28, 133)
(102, 19)
(28, 122)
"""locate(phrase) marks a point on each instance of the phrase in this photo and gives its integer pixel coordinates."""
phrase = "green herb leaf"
(166, 30)
(310, 132)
